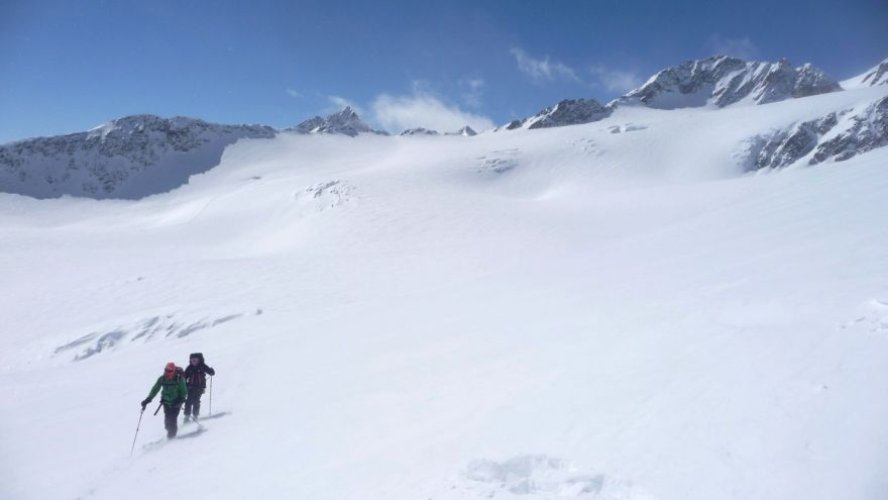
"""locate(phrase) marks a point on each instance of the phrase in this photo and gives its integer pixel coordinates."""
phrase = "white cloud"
(542, 70)
(293, 93)
(614, 80)
(741, 47)
(398, 113)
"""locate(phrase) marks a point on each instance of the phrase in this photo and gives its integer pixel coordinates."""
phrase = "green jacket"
(174, 391)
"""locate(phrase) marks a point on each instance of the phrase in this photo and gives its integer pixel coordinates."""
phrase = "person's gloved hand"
(145, 403)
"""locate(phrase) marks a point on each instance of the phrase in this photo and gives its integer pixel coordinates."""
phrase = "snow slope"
(877, 75)
(603, 311)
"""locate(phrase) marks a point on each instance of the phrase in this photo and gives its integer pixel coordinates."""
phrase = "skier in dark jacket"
(172, 393)
(196, 380)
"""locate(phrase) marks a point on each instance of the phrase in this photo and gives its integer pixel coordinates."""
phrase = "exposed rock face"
(834, 137)
(863, 132)
(722, 81)
(467, 131)
(419, 131)
(566, 112)
(344, 122)
(131, 157)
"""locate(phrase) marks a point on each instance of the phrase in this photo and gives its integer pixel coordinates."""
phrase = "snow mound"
(326, 195)
(498, 162)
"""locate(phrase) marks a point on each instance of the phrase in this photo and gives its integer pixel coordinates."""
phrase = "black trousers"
(170, 419)
(192, 402)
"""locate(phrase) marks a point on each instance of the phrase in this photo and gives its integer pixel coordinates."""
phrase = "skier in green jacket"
(172, 393)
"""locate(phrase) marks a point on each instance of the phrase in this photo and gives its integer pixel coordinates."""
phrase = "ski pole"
(158, 408)
(133, 447)
(211, 395)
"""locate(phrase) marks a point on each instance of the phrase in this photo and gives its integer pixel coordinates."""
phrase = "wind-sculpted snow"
(835, 137)
(499, 162)
(722, 81)
(131, 157)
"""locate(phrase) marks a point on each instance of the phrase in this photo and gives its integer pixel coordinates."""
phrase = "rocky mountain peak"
(723, 81)
(565, 112)
(343, 122)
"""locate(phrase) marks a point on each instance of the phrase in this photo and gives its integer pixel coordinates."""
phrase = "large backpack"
(198, 378)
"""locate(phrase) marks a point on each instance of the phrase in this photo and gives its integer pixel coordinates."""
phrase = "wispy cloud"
(293, 93)
(472, 91)
(741, 47)
(398, 113)
(614, 80)
(543, 70)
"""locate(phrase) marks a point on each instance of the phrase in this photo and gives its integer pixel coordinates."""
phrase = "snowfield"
(612, 311)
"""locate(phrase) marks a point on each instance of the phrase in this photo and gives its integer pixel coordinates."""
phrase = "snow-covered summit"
(466, 131)
(344, 122)
(566, 112)
(721, 81)
(130, 157)
(877, 75)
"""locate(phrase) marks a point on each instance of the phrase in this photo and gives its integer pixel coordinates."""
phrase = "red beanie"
(170, 370)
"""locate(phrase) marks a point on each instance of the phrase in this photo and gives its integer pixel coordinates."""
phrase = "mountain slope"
(834, 137)
(555, 313)
(874, 76)
(131, 157)
(721, 81)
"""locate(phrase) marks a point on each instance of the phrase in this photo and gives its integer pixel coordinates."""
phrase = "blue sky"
(68, 66)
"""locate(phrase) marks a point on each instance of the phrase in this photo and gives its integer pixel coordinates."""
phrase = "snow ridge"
(877, 75)
(130, 157)
(721, 81)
